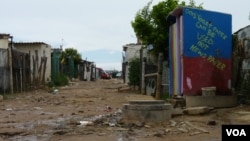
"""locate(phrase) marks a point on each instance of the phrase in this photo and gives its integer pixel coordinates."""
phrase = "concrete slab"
(197, 110)
(147, 111)
(177, 102)
(146, 102)
(177, 112)
(216, 101)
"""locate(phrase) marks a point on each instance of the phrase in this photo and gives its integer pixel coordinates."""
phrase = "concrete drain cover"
(147, 110)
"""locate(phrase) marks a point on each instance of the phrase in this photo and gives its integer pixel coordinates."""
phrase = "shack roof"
(3, 35)
(25, 43)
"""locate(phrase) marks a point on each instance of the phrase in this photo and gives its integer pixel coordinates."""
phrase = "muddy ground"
(91, 111)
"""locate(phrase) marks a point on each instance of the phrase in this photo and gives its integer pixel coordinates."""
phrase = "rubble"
(197, 110)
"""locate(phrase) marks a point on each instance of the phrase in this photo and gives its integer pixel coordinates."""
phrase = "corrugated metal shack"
(200, 51)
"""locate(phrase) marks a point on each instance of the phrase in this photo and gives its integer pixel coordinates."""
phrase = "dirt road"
(91, 111)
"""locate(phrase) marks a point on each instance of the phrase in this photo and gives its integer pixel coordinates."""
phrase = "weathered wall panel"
(4, 71)
(244, 44)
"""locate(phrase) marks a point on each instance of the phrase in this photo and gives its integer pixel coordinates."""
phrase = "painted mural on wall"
(151, 86)
(200, 52)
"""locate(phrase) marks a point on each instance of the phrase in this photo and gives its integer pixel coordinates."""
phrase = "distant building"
(241, 58)
(4, 41)
(244, 44)
(87, 71)
(131, 51)
(4, 66)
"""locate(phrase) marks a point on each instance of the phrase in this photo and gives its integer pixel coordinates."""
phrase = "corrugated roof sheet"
(30, 43)
(4, 34)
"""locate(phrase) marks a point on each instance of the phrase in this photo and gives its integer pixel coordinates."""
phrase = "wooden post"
(44, 69)
(39, 71)
(10, 66)
(159, 77)
(34, 70)
(21, 78)
(24, 73)
(29, 69)
(142, 80)
(11, 69)
(143, 87)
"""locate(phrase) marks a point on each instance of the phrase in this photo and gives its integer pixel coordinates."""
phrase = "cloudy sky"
(97, 29)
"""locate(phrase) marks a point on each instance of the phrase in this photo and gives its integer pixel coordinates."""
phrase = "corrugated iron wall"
(4, 71)
(21, 71)
(200, 52)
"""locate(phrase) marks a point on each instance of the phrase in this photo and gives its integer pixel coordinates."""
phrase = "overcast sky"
(97, 29)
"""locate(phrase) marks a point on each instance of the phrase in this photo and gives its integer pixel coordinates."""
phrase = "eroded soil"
(91, 111)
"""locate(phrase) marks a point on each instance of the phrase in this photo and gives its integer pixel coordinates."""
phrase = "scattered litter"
(183, 130)
(53, 91)
(173, 123)
(119, 111)
(101, 134)
(112, 124)
(197, 128)
(211, 122)
(37, 108)
(86, 123)
(195, 133)
(9, 109)
(108, 109)
(147, 126)
(167, 130)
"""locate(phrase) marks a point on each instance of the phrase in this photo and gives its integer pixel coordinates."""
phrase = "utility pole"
(142, 72)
